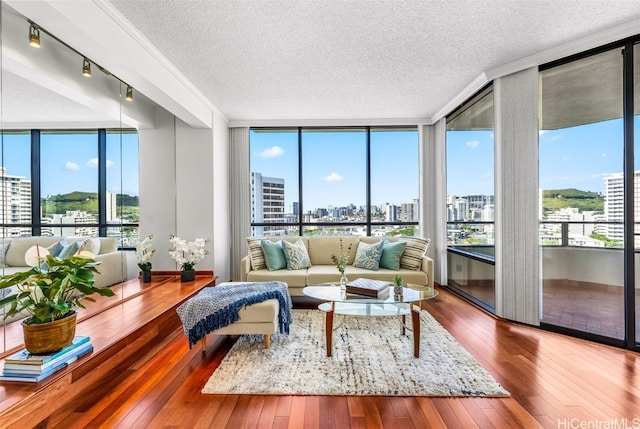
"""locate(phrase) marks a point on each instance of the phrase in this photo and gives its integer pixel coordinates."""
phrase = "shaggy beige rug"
(370, 357)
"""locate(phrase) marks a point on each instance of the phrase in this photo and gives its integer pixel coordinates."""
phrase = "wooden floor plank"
(551, 377)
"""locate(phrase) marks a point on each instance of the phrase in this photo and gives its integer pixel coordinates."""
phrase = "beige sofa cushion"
(322, 247)
(290, 277)
(19, 246)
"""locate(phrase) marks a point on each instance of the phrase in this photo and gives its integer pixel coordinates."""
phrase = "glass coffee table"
(339, 302)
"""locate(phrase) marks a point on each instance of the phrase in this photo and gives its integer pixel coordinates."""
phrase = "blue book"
(35, 378)
(24, 357)
(19, 368)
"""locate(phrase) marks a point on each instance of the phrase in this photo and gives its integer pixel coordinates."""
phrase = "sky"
(334, 166)
(69, 162)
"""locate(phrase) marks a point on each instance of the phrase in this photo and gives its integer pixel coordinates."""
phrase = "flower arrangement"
(187, 255)
(342, 258)
(144, 253)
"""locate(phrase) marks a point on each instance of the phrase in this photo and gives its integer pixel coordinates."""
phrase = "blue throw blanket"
(218, 306)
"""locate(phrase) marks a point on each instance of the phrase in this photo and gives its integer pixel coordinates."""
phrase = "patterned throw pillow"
(296, 254)
(411, 258)
(391, 254)
(56, 248)
(274, 255)
(255, 253)
(368, 256)
(69, 249)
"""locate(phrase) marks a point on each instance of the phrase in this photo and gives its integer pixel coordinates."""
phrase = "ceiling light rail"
(34, 41)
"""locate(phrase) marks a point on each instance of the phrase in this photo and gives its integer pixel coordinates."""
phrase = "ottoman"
(260, 318)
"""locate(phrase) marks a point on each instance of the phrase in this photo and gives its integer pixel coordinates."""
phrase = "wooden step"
(120, 334)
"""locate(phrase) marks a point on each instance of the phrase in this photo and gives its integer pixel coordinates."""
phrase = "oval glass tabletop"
(333, 293)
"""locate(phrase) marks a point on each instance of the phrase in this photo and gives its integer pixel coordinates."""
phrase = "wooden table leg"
(415, 319)
(329, 328)
(403, 329)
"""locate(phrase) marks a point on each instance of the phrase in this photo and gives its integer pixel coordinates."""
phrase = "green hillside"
(88, 202)
(554, 199)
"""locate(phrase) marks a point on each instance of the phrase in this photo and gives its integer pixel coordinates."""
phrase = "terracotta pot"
(51, 336)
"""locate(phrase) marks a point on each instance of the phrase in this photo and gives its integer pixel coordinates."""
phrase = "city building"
(267, 202)
(16, 203)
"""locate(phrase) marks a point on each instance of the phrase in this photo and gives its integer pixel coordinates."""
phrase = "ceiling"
(301, 62)
(261, 60)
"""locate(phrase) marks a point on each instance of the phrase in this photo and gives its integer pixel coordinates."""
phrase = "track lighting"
(129, 96)
(34, 36)
(86, 68)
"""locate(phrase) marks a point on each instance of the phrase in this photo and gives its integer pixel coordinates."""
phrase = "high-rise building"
(614, 204)
(16, 203)
(267, 204)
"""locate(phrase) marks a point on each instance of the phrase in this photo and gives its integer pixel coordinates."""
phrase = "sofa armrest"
(427, 267)
(245, 267)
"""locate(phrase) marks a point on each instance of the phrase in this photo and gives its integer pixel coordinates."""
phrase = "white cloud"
(333, 177)
(71, 166)
(473, 144)
(93, 163)
(271, 152)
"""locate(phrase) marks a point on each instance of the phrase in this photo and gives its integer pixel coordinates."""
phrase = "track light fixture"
(34, 36)
(86, 68)
(129, 96)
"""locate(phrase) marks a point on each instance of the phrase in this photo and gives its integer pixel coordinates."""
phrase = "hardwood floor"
(555, 382)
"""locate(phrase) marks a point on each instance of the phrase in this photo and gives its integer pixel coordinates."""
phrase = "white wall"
(184, 189)
(157, 169)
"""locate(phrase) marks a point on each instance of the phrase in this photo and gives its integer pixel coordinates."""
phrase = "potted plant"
(144, 253)
(49, 293)
(341, 263)
(187, 255)
(397, 285)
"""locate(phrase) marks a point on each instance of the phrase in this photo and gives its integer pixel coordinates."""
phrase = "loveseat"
(411, 262)
(115, 266)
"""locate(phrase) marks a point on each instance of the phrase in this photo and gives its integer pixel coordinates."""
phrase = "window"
(68, 191)
(470, 199)
(334, 181)
(581, 148)
(15, 174)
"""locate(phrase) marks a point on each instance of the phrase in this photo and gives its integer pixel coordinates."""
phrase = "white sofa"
(115, 265)
(323, 269)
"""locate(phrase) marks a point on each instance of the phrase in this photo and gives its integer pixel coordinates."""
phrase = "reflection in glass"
(69, 183)
(470, 199)
(582, 200)
(636, 197)
(15, 176)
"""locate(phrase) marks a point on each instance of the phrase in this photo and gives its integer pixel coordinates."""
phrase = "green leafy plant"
(52, 289)
(397, 280)
(342, 258)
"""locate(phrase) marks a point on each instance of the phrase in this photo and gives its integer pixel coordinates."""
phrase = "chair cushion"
(368, 256)
(255, 253)
(274, 255)
(297, 255)
(411, 258)
(391, 254)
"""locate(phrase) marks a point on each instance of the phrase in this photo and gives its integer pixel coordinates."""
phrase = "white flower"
(187, 255)
(144, 252)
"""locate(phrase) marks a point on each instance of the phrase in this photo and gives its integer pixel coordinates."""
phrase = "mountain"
(84, 201)
(554, 199)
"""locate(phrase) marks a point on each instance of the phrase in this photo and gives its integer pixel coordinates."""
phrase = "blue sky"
(69, 162)
(334, 166)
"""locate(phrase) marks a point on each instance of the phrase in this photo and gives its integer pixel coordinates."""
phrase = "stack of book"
(26, 367)
(371, 288)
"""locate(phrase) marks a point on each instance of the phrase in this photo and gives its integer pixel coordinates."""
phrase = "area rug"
(370, 357)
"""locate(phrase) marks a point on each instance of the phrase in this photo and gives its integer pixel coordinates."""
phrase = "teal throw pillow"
(56, 248)
(274, 255)
(368, 256)
(391, 253)
(68, 249)
(296, 254)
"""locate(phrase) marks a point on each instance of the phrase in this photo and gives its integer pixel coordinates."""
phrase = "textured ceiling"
(275, 60)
